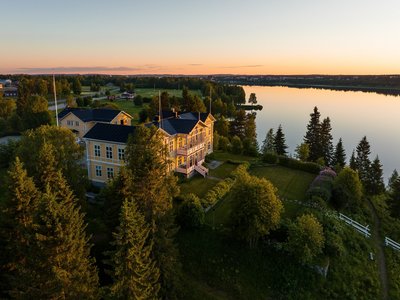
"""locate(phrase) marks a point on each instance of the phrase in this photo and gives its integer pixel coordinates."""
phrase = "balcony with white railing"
(189, 149)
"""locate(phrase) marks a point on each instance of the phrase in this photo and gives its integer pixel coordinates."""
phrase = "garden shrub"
(299, 165)
(270, 157)
(217, 192)
(322, 185)
(223, 143)
(190, 213)
(240, 170)
(237, 145)
(7, 153)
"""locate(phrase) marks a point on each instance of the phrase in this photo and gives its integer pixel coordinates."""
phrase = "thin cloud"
(237, 67)
(195, 64)
(87, 69)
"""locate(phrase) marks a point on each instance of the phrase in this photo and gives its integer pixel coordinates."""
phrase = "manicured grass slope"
(291, 184)
(197, 185)
(216, 264)
(223, 170)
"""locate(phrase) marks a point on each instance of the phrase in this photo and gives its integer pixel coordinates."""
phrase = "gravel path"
(4, 140)
(381, 254)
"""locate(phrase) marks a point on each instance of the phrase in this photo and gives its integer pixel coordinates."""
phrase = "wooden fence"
(360, 228)
(392, 244)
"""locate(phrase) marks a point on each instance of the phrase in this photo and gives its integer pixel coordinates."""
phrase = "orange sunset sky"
(200, 37)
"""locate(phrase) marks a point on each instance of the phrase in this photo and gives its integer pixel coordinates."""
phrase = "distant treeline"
(381, 84)
(226, 92)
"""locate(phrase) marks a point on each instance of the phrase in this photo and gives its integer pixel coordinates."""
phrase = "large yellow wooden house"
(188, 137)
(80, 120)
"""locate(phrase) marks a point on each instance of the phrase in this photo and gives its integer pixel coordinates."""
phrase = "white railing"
(184, 170)
(187, 151)
(202, 170)
(392, 244)
(360, 228)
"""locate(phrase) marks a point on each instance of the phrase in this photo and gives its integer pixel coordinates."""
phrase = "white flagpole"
(55, 98)
(159, 109)
(210, 99)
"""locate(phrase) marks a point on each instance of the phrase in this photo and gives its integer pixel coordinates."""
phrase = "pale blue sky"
(192, 37)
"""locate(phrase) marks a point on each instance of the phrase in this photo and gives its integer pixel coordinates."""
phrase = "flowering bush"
(322, 185)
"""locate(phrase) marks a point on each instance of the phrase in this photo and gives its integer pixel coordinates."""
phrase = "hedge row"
(223, 187)
(217, 192)
(299, 165)
(292, 163)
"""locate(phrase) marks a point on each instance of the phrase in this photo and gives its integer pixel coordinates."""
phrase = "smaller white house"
(127, 95)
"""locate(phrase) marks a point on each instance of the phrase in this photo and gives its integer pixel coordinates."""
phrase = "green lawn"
(146, 92)
(197, 185)
(129, 107)
(291, 184)
(224, 156)
(223, 170)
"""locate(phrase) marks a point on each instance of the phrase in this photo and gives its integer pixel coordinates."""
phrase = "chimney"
(199, 116)
(175, 112)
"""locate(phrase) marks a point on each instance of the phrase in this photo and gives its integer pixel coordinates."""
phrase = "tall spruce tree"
(113, 195)
(250, 127)
(363, 162)
(154, 188)
(18, 226)
(56, 264)
(394, 198)
(280, 142)
(135, 274)
(326, 141)
(250, 144)
(64, 268)
(375, 180)
(153, 185)
(352, 162)
(238, 125)
(339, 157)
(268, 144)
(313, 134)
(392, 180)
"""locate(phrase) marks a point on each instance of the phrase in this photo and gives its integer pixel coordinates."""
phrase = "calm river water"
(352, 114)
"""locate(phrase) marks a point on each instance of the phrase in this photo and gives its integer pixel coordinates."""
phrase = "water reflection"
(352, 114)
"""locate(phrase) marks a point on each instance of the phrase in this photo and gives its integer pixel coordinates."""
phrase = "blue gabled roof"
(174, 126)
(110, 132)
(194, 116)
(183, 124)
(87, 115)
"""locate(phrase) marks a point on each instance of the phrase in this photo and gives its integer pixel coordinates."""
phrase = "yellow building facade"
(80, 121)
(188, 138)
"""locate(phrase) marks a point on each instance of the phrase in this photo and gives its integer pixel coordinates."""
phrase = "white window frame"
(110, 173)
(98, 171)
(121, 153)
(109, 152)
(97, 150)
